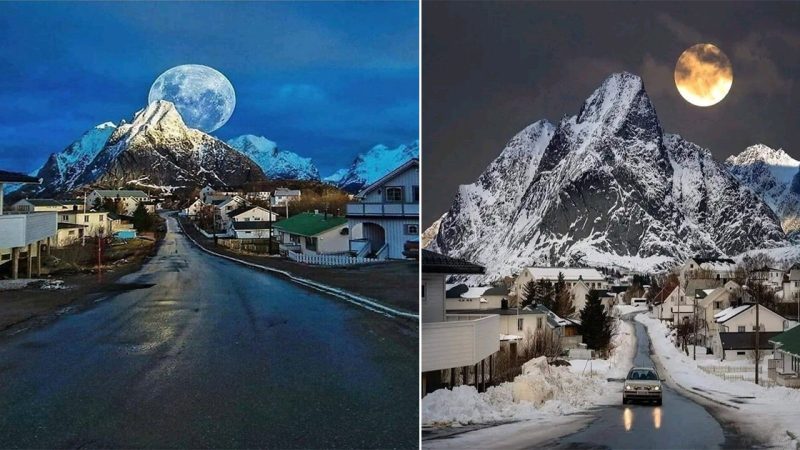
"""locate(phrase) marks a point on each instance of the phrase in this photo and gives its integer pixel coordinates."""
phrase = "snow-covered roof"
(510, 337)
(729, 313)
(570, 273)
(475, 292)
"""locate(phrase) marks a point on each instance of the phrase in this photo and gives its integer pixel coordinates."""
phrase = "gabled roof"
(788, 341)
(747, 340)
(768, 269)
(14, 177)
(729, 313)
(703, 260)
(42, 202)
(413, 162)
(244, 209)
(309, 224)
(456, 291)
(497, 290)
(287, 192)
(122, 193)
(436, 263)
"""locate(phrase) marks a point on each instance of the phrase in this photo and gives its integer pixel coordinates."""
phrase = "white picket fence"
(330, 260)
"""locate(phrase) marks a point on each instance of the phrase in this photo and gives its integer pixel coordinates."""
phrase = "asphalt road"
(211, 354)
(678, 424)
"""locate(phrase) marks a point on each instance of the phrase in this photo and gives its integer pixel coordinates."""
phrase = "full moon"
(703, 75)
(203, 96)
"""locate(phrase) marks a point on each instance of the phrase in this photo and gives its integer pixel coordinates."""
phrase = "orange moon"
(703, 75)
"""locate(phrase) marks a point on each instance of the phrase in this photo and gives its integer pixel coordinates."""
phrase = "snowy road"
(209, 353)
(679, 424)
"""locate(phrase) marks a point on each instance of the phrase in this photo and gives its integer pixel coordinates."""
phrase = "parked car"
(643, 384)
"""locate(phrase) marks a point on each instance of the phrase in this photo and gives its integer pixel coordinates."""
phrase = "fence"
(330, 260)
(254, 246)
(740, 373)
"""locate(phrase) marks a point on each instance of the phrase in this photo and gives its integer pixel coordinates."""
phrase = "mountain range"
(604, 187)
(157, 150)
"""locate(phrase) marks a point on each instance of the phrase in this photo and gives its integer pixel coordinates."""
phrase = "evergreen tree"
(562, 298)
(142, 220)
(545, 293)
(596, 326)
(529, 294)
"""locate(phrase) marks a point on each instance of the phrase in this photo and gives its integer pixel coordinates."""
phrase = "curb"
(364, 302)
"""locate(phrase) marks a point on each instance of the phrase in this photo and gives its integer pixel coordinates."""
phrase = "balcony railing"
(462, 340)
(383, 210)
(19, 230)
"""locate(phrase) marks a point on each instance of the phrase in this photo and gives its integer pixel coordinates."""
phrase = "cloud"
(679, 30)
(305, 93)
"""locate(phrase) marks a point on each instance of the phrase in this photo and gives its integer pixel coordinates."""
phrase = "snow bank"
(770, 414)
(540, 391)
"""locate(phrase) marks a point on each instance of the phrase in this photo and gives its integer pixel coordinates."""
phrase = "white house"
(92, 224)
(460, 296)
(194, 209)
(29, 205)
(710, 302)
(251, 222)
(736, 326)
(225, 206)
(579, 280)
(129, 199)
(455, 349)
(769, 276)
(386, 213)
(722, 269)
(282, 196)
(313, 234)
(22, 235)
(791, 287)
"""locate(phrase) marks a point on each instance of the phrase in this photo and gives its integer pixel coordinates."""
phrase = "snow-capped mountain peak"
(276, 163)
(763, 154)
(370, 166)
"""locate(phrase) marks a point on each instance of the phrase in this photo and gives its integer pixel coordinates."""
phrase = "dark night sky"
(325, 80)
(491, 69)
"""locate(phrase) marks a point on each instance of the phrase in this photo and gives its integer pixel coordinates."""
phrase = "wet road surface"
(678, 424)
(213, 354)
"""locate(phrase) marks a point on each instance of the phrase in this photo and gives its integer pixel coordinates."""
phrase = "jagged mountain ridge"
(771, 174)
(276, 163)
(370, 166)
(604, 187)
(158, 149)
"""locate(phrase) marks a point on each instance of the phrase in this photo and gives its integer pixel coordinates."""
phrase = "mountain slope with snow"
(61, 170)
(276, 163)
(370, 166)
(158, 149)
(770, 174)
(604, 187)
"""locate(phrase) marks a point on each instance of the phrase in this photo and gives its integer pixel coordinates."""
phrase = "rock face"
(604, 187)
(771, 174)
(158, 149)
(371, 166)
(277, 164)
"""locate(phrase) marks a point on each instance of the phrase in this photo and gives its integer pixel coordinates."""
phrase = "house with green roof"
(784, 368)
(313, 234)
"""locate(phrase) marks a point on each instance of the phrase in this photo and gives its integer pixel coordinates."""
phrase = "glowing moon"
(703, 75)
(203, 96)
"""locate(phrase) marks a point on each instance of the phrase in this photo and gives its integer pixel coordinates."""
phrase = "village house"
(784, 367)
(710, 302)
(460, 296)
(223, 207)
(736, 326)
(455, 349)
(791, 286)
(722, 269)
(579, 280)
(194, 209)
(313, 234)
(769, 276)
(386, 214)
(127, 199)
(22, 235)
(251, 222)
(283, 196)
(29, 205)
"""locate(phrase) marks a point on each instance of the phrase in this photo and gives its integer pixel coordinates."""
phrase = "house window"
(519, 324)
(411, 228)
(415, 194)
(423, 291)
(100, 217)
(294, 239)
(538, 323)
(311, 243)
(86, 219)
(740, 353)
(717, 305)
(65, 217)
(71, 232)
(393, 194)
(742, 328)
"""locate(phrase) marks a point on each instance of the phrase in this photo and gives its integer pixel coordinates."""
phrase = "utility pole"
(694, 346)
(758, 331)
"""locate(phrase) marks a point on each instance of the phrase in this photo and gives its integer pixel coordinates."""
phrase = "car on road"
(642, 384)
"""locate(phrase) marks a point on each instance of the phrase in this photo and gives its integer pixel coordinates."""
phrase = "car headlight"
(657, 388)
(628, 387)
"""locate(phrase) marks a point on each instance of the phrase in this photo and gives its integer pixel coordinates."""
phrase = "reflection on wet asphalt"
(213, 354)
(678, 424)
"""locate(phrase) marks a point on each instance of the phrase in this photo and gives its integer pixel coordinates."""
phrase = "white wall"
(432, 302)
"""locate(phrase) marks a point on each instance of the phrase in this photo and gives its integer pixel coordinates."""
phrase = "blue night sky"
(325, 80)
